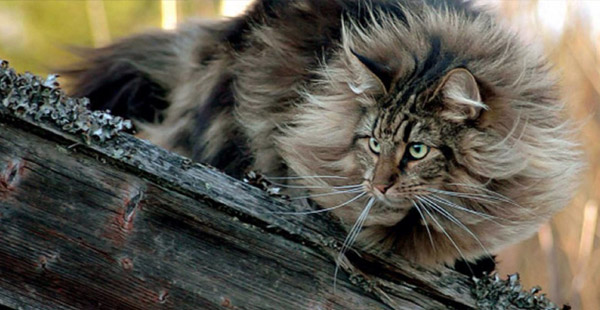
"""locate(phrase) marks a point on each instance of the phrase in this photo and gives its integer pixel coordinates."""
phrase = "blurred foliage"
(35, 35)
(564, 258)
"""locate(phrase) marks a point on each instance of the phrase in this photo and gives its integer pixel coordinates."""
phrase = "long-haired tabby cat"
(426, 127)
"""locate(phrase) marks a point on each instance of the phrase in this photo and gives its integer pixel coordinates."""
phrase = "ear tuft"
(460, 95)
(380, 72)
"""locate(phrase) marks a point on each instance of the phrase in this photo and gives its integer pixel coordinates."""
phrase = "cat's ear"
(380, 72)
(460, 96)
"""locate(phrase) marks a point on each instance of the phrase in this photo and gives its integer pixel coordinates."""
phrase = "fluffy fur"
(300, 87)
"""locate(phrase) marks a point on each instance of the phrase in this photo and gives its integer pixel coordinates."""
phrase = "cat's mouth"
(391, 200)
(384, 197)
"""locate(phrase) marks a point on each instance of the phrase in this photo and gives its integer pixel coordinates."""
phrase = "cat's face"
(400, 157)
(407, 150)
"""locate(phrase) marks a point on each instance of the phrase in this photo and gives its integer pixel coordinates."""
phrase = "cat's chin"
(381, 213)
(386, 219)
(387, 213)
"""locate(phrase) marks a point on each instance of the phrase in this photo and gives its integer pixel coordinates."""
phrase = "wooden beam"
(93, 218)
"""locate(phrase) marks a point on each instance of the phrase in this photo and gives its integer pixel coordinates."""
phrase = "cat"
(426, 127)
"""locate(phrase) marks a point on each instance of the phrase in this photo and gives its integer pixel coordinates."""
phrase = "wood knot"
(162, 296)
(44, 261)
(11, 174)
(126, 263)
(227, 304)
(132, 205)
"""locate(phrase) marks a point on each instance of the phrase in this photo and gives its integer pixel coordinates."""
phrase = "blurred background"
(563, 258)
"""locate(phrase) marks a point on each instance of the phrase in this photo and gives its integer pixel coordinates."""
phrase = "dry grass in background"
(564, 257)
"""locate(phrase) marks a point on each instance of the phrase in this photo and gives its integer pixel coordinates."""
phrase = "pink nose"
(382, 187)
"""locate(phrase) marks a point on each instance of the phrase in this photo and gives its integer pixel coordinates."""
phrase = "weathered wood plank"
(122, 224)
(89, 241)
(246, 201)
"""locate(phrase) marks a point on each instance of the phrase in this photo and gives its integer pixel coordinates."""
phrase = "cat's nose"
(383, 187)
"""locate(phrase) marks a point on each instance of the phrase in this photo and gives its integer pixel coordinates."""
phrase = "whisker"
(425, 224)
(444, 232)
(321, 210)
(481, 197)
(487, 217)
(357, 190)
(456, 221)
(496, 195)
(483, 189)
(337, 188)
(305, 177)
(461, 208)
(314, 186)
(351, 238)
(363, 217)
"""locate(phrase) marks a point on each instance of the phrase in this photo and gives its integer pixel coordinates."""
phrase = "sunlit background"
(564, 257)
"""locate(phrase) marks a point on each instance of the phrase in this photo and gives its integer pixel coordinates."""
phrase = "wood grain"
(84, 227)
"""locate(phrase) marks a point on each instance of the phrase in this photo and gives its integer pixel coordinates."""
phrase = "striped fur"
(298, 87)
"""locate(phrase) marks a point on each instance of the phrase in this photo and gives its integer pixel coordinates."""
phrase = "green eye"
(418, 150)
(374, 146)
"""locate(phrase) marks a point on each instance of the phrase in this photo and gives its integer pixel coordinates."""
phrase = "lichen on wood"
(492, 292)
(41, 99)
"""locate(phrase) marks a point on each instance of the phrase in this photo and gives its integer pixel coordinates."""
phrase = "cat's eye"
(418, 150)
(374, 145)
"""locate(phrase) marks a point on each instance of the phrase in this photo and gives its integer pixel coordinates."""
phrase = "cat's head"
(446, 128)
(407, 152)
